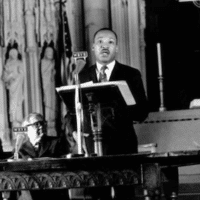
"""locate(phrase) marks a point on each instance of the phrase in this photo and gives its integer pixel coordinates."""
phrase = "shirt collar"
(110, 66)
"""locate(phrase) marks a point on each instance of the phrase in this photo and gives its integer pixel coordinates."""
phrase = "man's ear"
(93, 47)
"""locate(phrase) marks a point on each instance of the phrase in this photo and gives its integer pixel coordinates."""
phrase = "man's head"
(36, 127)
(105, 45)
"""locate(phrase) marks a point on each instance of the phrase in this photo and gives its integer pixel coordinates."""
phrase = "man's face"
(105, 47)
(35, 131)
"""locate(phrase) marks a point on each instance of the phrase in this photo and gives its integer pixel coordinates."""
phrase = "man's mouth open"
(105, 53)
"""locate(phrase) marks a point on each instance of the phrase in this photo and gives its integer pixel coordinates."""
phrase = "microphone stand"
(78, 104)
(79, 114)
(20, 133)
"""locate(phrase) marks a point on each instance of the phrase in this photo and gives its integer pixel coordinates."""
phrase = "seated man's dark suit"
(53, 147)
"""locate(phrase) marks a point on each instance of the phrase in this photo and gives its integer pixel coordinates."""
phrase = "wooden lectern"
(95, 96)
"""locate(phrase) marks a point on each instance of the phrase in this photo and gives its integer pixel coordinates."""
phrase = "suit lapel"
(116, 74)
(93, 74)
(29, 149)
(43, 148)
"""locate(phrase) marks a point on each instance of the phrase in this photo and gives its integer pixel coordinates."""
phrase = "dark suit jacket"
(118, 133)
(49, 147)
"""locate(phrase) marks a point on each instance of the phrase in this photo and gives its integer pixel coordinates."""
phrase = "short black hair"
(105, 29)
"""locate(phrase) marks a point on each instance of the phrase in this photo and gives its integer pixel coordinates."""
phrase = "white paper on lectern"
(122, 85)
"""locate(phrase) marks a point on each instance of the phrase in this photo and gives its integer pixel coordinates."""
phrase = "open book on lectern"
(104, 93)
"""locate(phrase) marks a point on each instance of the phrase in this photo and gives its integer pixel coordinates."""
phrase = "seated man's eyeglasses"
(37, 124)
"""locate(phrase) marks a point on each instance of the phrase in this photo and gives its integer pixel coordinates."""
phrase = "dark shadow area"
(177, 27)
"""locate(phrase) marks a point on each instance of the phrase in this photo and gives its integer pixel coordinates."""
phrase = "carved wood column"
(4, 129)
(33, 76)
(76, 24)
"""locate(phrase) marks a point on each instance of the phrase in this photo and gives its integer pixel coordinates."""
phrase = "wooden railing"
(153, 172)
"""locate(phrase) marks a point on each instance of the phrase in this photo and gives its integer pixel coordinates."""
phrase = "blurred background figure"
(48, 87)
(13, 77)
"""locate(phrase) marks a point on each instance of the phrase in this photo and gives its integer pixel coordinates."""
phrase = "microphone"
(80, 60)
(20, 138)
(19, 141)
(80, 54)
(79, 66)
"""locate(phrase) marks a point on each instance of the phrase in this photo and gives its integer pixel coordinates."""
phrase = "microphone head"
(80, 63)
(20, 138)
(80, 60)
(80, 54)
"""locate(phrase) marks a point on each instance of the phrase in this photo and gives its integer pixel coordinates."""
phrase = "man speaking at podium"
(117, 127)
(118, 135)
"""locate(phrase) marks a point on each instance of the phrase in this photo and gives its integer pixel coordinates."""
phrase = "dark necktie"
(102, 75)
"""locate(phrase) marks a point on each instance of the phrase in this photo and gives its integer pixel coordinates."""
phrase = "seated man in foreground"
(37, 144)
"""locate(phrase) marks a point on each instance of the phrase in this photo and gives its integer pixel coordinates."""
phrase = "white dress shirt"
(108, 71)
